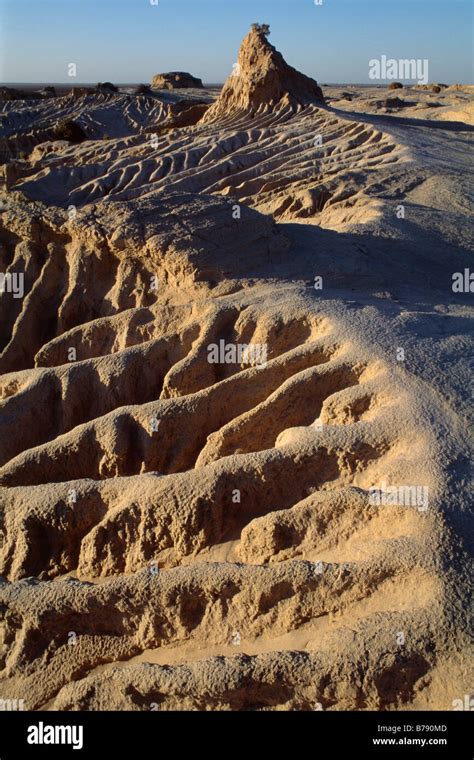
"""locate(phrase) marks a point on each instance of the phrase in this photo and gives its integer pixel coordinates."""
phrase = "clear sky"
(130, 40)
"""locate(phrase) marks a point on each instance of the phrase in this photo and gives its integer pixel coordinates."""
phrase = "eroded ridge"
(228, 499)
(319, 170)
(268, 141)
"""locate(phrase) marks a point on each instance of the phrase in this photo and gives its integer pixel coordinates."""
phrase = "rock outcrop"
(261, 77)
(106, 87)
(175, 80)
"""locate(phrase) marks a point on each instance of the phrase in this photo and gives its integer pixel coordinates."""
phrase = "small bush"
(143, 89)
(261, 28)
(394, 103)
(106, 87)
(69, 130)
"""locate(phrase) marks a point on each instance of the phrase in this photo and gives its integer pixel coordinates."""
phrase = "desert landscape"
(236, 392)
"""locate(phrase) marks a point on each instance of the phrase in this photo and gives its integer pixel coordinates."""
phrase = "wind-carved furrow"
(297, 402)
(109, 335)
(385, 678)
(72, 286)
(127, 616)
(236, 326)
(73, 394)
(179, 525)
(194, 372)
(305, 420)
(27, 259)
(31, 329)
(233, 492)
(104, 446)
(254, 160)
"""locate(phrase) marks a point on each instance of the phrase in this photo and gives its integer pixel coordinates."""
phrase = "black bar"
(136, 734)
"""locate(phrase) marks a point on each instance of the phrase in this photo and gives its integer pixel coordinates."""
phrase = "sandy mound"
(463, 113)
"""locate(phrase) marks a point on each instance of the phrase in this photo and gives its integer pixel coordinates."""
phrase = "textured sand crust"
(180, 534)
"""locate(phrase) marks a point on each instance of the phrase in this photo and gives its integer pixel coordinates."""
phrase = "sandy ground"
(180, 534)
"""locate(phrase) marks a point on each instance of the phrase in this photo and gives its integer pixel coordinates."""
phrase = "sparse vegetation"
(261, 29)
(106, 87)
(394, 103)
(143, 89)
(69, 130)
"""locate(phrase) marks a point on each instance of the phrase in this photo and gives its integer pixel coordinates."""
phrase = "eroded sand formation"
(180, 534)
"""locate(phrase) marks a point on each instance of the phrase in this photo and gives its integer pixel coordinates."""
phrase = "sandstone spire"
(261, 76)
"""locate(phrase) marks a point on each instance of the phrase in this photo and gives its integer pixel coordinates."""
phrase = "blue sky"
(130, 40)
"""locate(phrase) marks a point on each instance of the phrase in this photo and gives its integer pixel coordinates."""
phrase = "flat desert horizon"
(236, 392)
